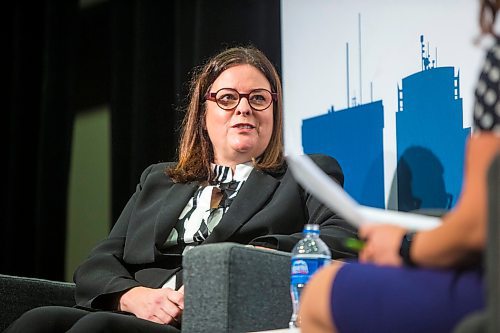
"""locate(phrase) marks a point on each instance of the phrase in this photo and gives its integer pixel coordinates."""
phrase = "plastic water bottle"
(308, 255)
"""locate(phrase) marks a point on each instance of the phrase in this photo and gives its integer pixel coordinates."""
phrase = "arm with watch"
(450, 245)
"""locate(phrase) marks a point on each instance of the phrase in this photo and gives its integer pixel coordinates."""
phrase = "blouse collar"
(224, 174)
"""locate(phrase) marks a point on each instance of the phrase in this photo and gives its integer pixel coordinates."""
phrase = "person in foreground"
(425, 281)
(231, 184)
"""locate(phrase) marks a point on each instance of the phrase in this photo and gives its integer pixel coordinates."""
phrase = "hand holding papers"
(314, 180)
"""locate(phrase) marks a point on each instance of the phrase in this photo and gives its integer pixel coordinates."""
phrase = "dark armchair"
(19, 294)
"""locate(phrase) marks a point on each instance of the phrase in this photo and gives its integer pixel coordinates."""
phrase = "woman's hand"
(162, 306)
(382, 244)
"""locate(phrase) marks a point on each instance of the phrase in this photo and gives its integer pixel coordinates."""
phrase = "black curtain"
(134, 55)
(155, 46)
(38, 127)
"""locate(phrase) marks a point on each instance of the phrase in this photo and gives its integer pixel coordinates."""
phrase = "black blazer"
(269, 210)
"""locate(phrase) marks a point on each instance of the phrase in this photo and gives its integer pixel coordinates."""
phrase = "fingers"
(365, 231)
(162, 306)
(365, 254)
(382, 245)
(161, 318)
(176, 297)
(171, 309)
(165, 314)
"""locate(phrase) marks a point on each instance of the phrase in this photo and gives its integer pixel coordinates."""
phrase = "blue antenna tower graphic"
(354, 136)
(430, 138)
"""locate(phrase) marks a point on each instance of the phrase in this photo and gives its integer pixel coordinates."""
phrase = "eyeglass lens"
(259, 99)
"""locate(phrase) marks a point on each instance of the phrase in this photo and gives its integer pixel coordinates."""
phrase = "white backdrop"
(314, 37)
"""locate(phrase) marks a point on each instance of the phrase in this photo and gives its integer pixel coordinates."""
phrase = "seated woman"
(231, 184)
(425, 281)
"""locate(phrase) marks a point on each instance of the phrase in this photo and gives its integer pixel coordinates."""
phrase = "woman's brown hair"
(195, 150)
(487, 15)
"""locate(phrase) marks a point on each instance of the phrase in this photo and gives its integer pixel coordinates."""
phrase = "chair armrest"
(493, 248)
(20, 294)
(233, 288)
(488, 320)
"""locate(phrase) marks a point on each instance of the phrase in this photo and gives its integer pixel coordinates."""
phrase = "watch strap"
(404, 250)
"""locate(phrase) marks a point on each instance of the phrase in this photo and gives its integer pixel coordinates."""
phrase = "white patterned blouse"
(205, 210)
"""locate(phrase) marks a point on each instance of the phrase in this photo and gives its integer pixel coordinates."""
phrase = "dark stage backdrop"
(134, 55)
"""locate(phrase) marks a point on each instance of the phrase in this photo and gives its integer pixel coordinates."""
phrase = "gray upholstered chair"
(234, 288)
(229, 288)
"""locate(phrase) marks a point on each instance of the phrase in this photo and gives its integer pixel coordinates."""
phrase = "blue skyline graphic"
(430, 141)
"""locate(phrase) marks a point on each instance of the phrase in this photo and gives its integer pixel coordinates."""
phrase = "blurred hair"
(487, 15)
(195, 151)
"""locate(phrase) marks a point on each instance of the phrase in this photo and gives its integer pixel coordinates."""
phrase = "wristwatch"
(404, 250)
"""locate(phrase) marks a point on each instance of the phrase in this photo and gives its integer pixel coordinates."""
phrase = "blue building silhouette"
(430, 139)
(354, 136)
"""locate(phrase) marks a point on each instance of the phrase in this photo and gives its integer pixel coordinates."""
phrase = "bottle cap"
(311, 228)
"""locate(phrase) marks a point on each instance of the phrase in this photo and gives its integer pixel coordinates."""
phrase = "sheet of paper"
(319, 184)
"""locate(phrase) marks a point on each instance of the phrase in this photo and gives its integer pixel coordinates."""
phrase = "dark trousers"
(55, 319)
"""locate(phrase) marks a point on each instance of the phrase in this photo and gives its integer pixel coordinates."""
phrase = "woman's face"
(241, 133)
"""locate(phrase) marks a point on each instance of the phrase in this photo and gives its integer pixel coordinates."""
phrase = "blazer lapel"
(173, 204)
(141, 246)
(252, 196)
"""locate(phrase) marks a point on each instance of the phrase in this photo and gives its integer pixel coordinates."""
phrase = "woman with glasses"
(231, 184)
(426, 281)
